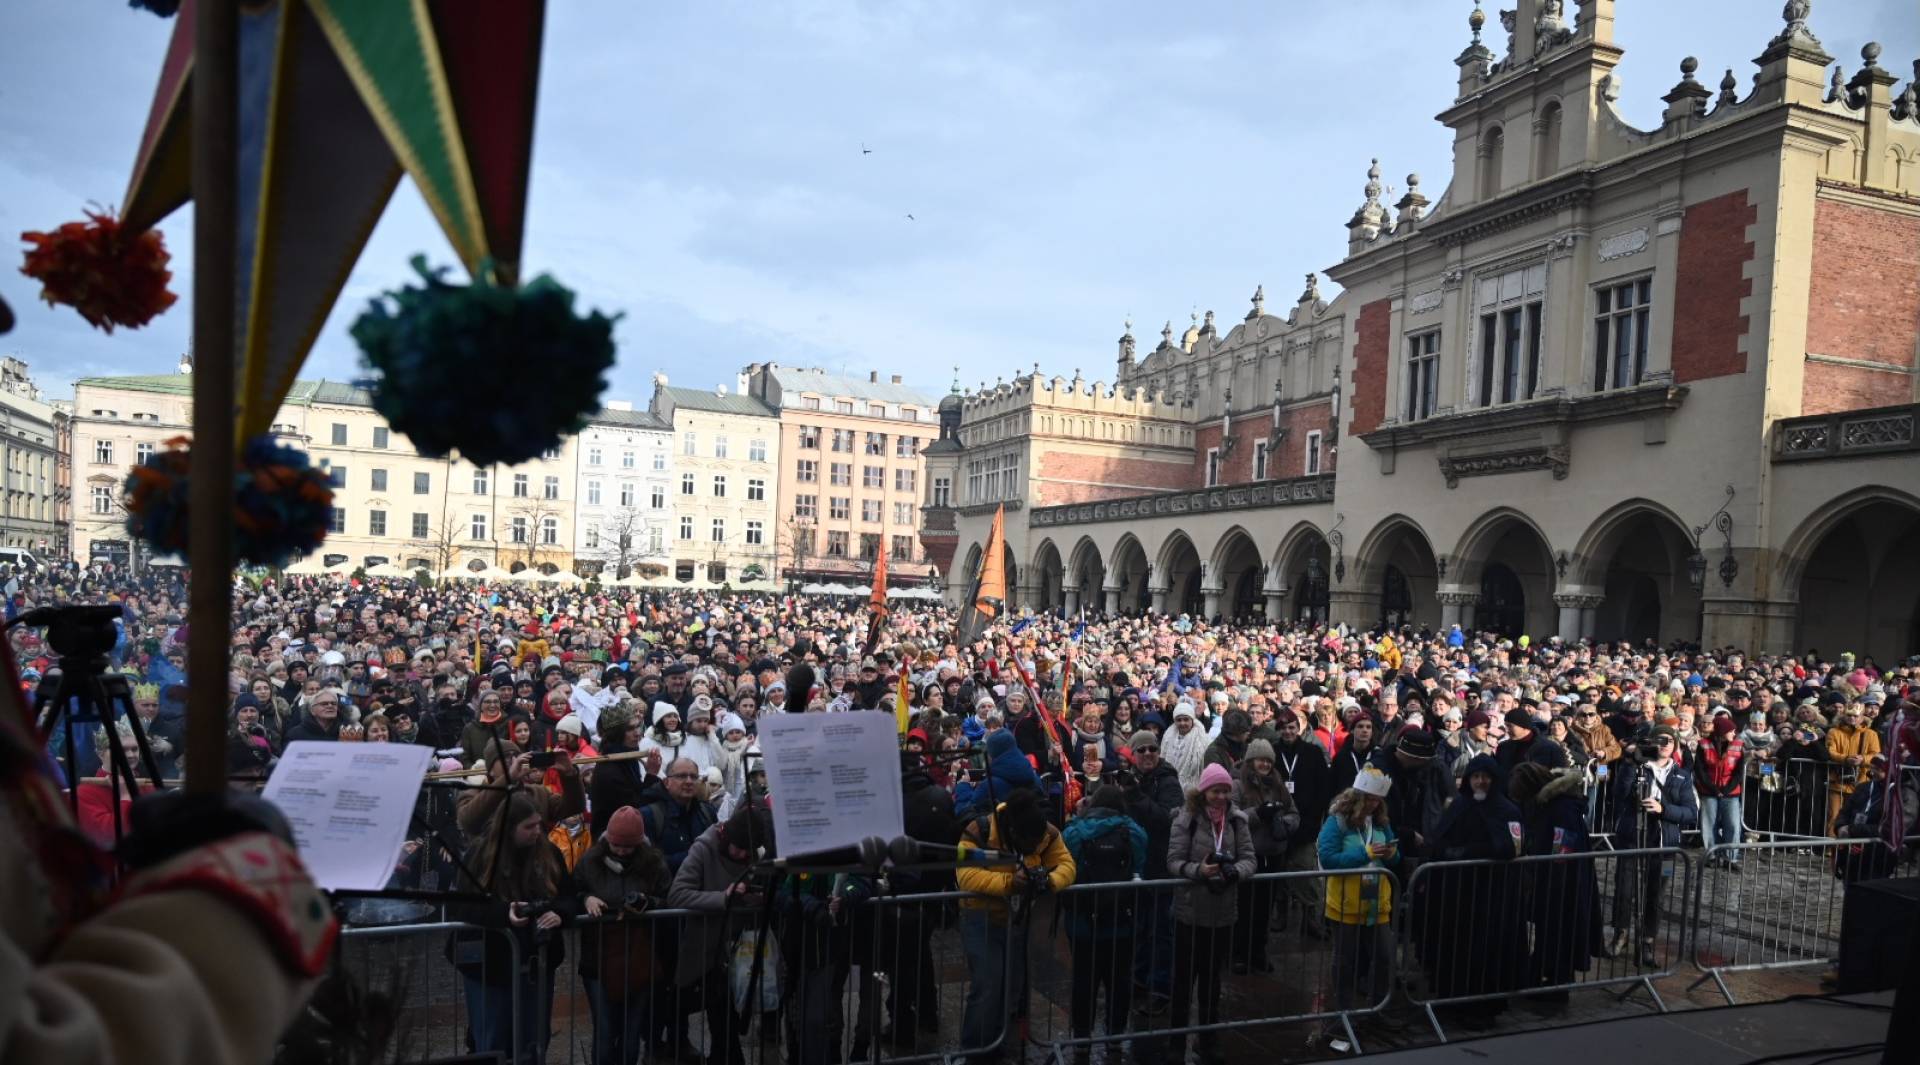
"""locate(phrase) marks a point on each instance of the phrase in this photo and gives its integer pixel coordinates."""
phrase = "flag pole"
(216, 34)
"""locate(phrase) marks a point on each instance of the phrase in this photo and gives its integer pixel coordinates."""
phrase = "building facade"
(391, 504)
(725, 462)
(30, 457)
(850, 474)
(623, 516)
(1612, 383)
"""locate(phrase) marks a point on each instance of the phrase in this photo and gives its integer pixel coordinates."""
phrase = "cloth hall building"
(1610, 383)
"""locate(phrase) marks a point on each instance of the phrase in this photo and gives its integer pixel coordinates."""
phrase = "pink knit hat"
(1215, 774)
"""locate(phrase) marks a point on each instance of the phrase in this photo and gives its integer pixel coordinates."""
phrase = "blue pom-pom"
(281, 503)
(449, 362)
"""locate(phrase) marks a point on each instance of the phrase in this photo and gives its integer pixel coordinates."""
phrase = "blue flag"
(1174, 675)
(1021, 625)
(1079, 631)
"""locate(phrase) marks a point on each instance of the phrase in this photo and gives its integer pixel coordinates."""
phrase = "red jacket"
(1719, 775)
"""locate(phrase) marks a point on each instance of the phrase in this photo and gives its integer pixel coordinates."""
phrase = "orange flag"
(989, 596)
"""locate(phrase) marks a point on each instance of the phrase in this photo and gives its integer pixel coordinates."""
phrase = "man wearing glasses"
(1656, 802)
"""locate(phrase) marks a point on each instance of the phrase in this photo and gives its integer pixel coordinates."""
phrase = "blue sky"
(698, 166)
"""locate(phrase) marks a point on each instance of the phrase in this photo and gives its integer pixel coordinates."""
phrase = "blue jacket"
(1680, 809)
(1007, 769)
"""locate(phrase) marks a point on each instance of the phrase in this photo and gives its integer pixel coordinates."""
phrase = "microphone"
(869, 853)
(905, 850)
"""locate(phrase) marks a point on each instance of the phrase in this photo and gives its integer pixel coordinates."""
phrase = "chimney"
(873, 377)
(740, 383)
(896, 379)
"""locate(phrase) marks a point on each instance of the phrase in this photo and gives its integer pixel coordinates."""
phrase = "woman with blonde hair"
(1358, 835)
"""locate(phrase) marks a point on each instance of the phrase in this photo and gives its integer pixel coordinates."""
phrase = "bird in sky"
(864, 150)
(909, 218)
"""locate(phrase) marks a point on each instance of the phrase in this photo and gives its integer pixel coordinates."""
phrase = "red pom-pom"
(98, 267)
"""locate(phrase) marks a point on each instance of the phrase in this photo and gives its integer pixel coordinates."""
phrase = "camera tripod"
(84, 693)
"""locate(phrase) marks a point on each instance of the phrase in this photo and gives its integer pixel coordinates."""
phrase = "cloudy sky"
(699, 166)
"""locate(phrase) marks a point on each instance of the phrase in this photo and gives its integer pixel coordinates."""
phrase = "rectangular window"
(719, 487)
(1213, 466)
(843, 441)
(337, 520)
(422, 484)
(719, 532)
(719, 447)
(873, 476)
(756, 451)
(376, 523)
(592, 537)
(836, 544)
(876, 443)
(1620, 326)
(550, 488)
(337, 475)
(689, 444)
(1487, 355)
(843, 406)
(901, 549)
(903, 513)
(102, 499)
(657, 498)
(103, 451)
(550, 531)
(627, 458)
(142, 452)
(810, 437)
(593, 456)
(339, 436)
(810, 402)
(1423, 375)
(1507, 366)
(520, 486)
(626, 493)
(379, 480)
(1312, 464)
(942, 492)
(756, 534)
(756, 490)
(517, 531)
(869, 546)
(1259, 460)
(380, 436)
(686, 527)
(656, 539)
(806, 508)
(906, 446)
(839, 508)
(477, 527)
(481, 485)
(802, 543)
(659, 462)
(806, 471)
(419, 531)
(593, 494)
(686, 484)
(910, 413)
(871, 510)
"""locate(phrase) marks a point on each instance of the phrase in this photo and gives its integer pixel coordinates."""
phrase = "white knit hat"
(570, 725)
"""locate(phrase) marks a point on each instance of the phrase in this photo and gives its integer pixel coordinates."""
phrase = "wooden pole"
(216, 69)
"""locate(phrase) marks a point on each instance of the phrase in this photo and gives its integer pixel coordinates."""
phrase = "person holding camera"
(619, 878)
(994, 922)
(1212, 846)
(1264, 797)
(507, 963)
(1657, 802)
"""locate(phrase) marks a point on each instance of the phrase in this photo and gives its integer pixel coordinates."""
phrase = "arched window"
(1493, 150)
(1546, 141)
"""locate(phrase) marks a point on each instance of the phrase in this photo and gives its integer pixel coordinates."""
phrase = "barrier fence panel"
(1148, 964)
(451, 986)
(1777, 905)
(1476, 933)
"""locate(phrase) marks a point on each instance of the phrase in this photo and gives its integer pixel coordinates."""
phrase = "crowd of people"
(600, 758)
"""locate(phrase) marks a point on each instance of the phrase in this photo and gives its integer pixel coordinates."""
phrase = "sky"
(883, 185)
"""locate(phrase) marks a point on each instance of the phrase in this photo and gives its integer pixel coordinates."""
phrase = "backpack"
(1107, 859)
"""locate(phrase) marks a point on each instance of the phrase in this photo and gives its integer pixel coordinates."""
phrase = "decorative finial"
(1166, 334)
(1687, 67)
(1127, 326)
(1374, 187)
(1312, 292)
(1259, 302)
(1729, 90)
(1206, 326)
(1476, 20)
(956, 380)
(1795, 15)
(1836, 86)
(1870, 52)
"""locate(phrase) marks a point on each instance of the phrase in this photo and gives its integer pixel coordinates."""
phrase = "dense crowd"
(612, 736)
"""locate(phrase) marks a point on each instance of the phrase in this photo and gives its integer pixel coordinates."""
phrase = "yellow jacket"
(1842, 743)
(995, 882)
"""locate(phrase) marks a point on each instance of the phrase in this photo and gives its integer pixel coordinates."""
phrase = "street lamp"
(1697, 570)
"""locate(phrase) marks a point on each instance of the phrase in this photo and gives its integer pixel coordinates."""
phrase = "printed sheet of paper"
(349, 805)
(834, 778)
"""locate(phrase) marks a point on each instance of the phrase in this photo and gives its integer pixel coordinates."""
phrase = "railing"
(1845, 434)
(1293, 491)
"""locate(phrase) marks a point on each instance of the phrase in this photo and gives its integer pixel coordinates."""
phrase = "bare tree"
(438, 546)
(620, 534)
(795, 544)
(535, 512)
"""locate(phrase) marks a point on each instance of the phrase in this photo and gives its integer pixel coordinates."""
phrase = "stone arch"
(1397, 576)
(1176, 575)
(1086, 576)
(1855, 568)
(1238, 577)
(1048, 573)
(1505, 555)
(1628, 578)
(1128, 585)
(1302, 574)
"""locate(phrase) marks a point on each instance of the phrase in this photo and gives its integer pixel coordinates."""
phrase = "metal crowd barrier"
(1777, 905)
(1122, 938)
(1478, 933)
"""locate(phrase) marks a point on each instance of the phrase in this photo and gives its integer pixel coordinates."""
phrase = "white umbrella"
(307, 567)
(387, 569)
(562, 577)
(528, 574)
(491, 573)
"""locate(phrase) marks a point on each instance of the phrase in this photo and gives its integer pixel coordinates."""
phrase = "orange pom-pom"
(111, 275)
